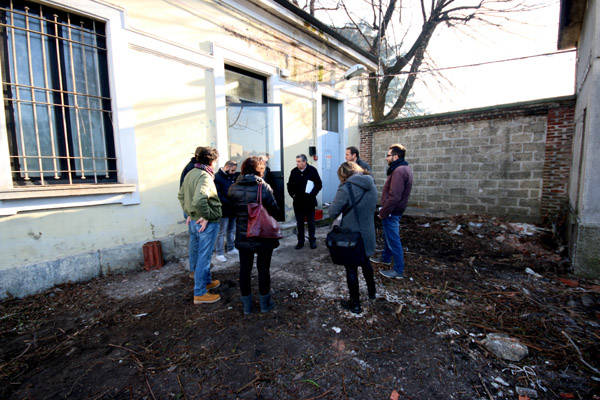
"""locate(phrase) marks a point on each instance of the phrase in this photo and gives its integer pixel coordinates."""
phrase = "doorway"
(256, 129)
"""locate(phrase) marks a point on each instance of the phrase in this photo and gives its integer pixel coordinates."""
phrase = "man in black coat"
(352, 154)
(188, 168)
(224, 178)
(304, 203)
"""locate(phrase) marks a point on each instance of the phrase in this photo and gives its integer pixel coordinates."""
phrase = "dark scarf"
(395, 164)
(206, 168)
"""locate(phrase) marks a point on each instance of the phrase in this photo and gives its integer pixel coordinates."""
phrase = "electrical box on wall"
(312, 151)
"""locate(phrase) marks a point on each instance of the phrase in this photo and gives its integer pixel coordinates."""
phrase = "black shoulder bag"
(347, 247)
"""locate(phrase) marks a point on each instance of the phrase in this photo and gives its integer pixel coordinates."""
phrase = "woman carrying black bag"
(357, 218)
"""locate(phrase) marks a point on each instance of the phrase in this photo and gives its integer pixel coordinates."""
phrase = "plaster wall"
(299, 133)
(173, 106)
(584, 184)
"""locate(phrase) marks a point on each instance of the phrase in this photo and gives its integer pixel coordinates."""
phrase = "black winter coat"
(188, 168)
(223, 182)
(296, 186)
(245, 191)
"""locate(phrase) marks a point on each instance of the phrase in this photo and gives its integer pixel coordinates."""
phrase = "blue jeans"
(393, 245)
(201, 248)
(226, 225)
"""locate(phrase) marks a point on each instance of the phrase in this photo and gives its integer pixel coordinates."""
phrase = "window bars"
(56, 96)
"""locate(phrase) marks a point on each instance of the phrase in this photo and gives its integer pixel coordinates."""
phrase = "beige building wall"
(299, 133)
(173, 110)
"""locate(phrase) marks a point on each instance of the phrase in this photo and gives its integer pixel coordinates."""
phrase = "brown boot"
(214, 284)
(207, 298)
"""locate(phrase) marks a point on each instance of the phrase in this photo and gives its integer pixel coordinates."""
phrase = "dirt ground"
(139, 335)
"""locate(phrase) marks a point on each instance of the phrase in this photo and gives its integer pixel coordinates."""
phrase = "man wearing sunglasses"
(394, 199)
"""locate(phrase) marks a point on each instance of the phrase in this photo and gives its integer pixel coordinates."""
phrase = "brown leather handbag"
(260, 223)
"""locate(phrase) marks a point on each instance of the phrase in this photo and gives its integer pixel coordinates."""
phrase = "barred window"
(56, 96)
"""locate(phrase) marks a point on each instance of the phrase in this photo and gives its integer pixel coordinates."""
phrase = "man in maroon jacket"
(394, 199)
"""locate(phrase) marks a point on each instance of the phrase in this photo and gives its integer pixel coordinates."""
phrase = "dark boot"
(367, 270)
(351, 305)
(266, 304)
(299, 245)
(313, 243)
(247, 303)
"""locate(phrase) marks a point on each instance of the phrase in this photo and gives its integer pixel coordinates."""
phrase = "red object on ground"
(318, 215)
(153, 258)
(569, 282)
(395, 395)
(567, 395)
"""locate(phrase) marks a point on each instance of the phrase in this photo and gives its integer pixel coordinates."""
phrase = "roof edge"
(570, 23)
(324, 28)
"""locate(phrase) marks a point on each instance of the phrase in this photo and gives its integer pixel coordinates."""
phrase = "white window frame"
(126, 191)
(224, 56)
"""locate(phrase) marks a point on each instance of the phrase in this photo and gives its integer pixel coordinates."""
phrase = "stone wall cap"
(524, 106)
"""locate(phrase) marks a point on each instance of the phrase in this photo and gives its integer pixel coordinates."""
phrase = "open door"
(256, 129)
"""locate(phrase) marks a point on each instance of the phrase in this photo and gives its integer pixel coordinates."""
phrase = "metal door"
(255, 129)
(330, 142)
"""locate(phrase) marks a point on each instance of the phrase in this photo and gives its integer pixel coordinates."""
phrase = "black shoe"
(313, 244)
(351, 306)
(299, 246)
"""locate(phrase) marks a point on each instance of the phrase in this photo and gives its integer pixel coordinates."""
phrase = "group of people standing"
(216, 209)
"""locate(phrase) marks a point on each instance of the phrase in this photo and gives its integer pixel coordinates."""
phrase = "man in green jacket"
(200, 201)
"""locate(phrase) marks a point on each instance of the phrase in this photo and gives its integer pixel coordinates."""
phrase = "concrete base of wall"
(35, 278)
(584, 250)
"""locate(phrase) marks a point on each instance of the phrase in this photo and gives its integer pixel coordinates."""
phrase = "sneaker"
(379, 260)
(214, 284)
(350, 306)
(207, 298)
(220, 258)
(233, 252)
(390, 273)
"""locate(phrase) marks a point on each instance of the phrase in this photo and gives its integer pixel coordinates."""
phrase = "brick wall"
(511, 160)
(557, 163)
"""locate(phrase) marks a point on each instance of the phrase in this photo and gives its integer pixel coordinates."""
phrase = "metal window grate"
(56, 96)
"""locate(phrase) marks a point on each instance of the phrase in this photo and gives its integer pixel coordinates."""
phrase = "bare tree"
(401, 56)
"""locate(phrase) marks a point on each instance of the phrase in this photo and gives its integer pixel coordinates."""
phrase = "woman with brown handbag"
(242, 193)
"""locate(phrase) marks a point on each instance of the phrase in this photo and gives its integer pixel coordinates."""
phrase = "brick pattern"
(557, 163)
(365, 147)
(483, 161)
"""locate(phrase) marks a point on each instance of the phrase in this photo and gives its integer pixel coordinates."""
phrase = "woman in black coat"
(245, 191)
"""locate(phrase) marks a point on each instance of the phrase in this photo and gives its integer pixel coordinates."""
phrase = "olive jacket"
(198, 196)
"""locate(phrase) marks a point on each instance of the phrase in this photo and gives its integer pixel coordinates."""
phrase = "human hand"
(202, 222)
(187, 220)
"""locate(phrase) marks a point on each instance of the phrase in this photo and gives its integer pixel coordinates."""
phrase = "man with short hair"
(224, 178)
(303, 185)
(352, 154)
(200, 201)
(394, 199)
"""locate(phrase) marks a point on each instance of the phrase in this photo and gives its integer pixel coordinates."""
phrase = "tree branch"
(401, 100)
(367, 41)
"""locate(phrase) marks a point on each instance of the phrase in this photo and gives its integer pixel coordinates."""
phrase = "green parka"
(198, 196)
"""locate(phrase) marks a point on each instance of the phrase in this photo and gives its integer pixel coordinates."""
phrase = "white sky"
(533, 32)
(527, 33)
